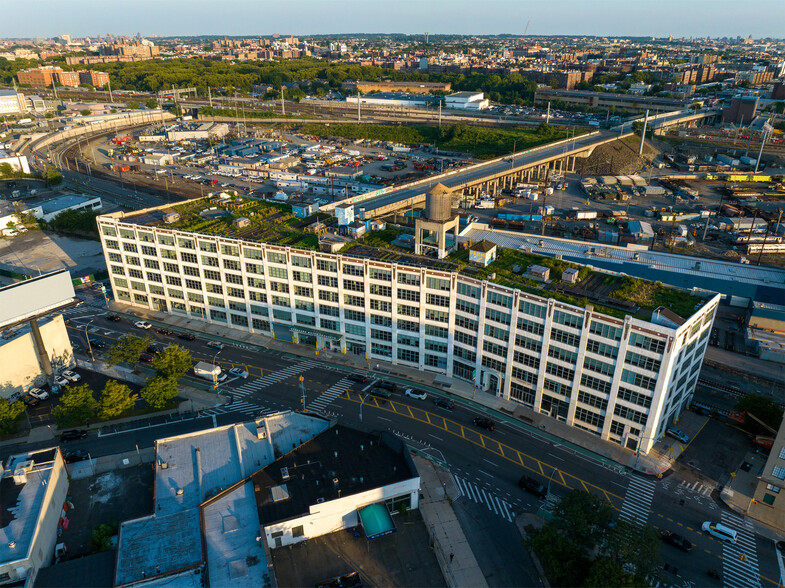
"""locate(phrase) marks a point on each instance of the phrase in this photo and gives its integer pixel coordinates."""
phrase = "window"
(168, 254)
(130, 247)
(410, 295)
(259, 310)
(131, 260)
(604, 330)
(530, 326)
(381, 335)
(409, 355)
(380, 274)
(135, 273)
(330, 325)
(260, 325)
(257, 296)
(434, 331)
(208, 246)
(328, 296)
(596, 384)
(191, 271)
(232, 250)
(303, 291)
(588, 416)
(381, 305)
(562, 354)
(630, 414)
(300, 261)
(527, 343)
(146, 237)
(210, 261)
(500, 299)
(350, 300)
(173, 281)
(331, 281)
(617, 428)
(127, 233)
(232, 264)
(634, 397)
(526, 376)
(353, 286)
(281, 287)
(173, 293)
(255, 282)
(437, 300)
(212, 275)
(638, 380)
(214, 288)
(644, 342)
(326, 266)
(532, 309)
(280, 301)
(557, 370)
(186, 243)
(382, 321)
(217, 315)
(642, 361)
(165, 240)
(602, 349)
(464, 354)
(278, 272)
(116, 257)
(497, 332)
(408, 340)
(408, 279)
(354, 315)
(564, 337)
(592, 400)
(439, 347)
(569, 320)
(407, 310)
(275, 257)
(467, 307)
(437, 315)
(492, 363)
(466, 290)
(171, 268)
(254, 268)
(299, 276)
(189, 257)
(282, 315)
(235, 292)
(408, 326)
(112, 244)
(352, 270)
(381, 350)
(147, 250)
(468, 324)
(522, 394)
(598, 366)
(328, 310)
(494, 348)
(437, 284)
(498, 316)
(153, 277)
(138, 286)
(108, 230)
(193, 297)
(304, 319)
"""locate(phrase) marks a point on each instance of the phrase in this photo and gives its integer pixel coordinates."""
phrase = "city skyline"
(723, 18)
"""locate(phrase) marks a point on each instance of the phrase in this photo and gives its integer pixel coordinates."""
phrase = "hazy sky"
(697, 18)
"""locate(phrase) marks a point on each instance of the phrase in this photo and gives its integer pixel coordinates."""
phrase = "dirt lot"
(36, 251)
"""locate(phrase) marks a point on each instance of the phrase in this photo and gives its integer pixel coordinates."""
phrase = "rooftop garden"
(273, 222)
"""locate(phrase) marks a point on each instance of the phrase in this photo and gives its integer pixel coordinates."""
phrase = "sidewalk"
(437, 489)
(556, 432)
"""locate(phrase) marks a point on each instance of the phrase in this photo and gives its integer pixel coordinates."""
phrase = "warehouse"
(393, 99)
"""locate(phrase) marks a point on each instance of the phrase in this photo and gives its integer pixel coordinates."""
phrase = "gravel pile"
(619, 158)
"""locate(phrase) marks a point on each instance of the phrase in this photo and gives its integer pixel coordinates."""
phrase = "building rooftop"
(338, 463)
(205, 463)
(22, 499)
(273, 223)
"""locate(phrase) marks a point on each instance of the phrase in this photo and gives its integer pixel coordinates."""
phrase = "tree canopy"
(173, 362)
(116, 398)
(159, 392)
(9, 415)
(77, 406)
(127, 349)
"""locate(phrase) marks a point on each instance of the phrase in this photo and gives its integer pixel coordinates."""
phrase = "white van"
(719, 531)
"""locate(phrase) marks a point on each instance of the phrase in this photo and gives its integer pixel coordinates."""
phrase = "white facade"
(18, 162)
(390, 100)
(467, 101)
(624, 380)
(328, 517)
(12, 102)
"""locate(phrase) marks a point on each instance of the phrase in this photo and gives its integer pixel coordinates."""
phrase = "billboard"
(34, 297)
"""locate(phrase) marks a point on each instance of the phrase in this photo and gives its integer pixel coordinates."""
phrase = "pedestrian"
(452, 555)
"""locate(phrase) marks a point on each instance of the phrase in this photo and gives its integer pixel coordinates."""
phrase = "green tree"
(606, 573)
(116, 398)
(176, 109)
(132, 105)
(85, 112)
(49, 115)
(51, 176)
(584, 518)
(151, 103)
(101, 539)
(76, 407)
(564, 564)
(173, 362)
(9, 415)
(128, 348)
(762, 407)
(159, 392)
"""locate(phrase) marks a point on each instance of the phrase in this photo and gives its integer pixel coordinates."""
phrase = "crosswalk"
(637, 500)
(696, 487)
(481, 496)
(329, 395)
(740, 559)
(240, 404)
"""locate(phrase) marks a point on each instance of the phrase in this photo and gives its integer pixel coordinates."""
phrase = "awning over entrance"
(329, 335)
(376, 521)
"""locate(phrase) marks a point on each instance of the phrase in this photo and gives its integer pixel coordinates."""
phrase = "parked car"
(146, 357)
(186, 336)
(75, 455)
(113, 317)
(156, 348)
(38, 393)
(97, 343)
(676, 540)
(71, 376)
(678, 434)
(357, 378)
(442, 403)
(239, 372)
(142, 325)
(164, 331)
(484, 423)
(416, 394)
(31, 401)
(533, 486)
(60, 381)
(215, 344)
(73, 435)
(381, 393)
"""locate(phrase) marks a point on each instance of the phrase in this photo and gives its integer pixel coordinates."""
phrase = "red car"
(148, 357)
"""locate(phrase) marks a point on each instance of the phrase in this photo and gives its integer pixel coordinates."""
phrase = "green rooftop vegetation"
(273, 222)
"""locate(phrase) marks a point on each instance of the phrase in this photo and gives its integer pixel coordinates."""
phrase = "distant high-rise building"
(741, 110)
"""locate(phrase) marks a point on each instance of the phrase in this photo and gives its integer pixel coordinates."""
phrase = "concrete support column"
(40, 350)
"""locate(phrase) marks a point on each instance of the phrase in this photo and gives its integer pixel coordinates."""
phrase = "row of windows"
(641, 361)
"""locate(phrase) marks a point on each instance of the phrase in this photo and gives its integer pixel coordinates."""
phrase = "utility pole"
(440, 114)
(548, 115)
(643, 134)
(766, 128)
(111, 99)
(283, 106)
(358, 105)
(209, 96)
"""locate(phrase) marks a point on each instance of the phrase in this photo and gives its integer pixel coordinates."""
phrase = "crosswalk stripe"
(637, 500)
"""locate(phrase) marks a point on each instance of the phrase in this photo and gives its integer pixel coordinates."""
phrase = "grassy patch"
(651, 295)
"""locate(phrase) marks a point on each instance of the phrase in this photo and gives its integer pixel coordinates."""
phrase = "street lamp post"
(87, 337)
(215, 376)
(548, 491)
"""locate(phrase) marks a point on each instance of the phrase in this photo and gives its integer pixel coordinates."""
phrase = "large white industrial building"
(623, 379)
(467, 101)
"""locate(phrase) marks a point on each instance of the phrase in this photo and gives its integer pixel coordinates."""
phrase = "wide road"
(475, 174)
(485, 464)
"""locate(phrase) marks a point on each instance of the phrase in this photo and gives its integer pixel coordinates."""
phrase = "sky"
(659, 18)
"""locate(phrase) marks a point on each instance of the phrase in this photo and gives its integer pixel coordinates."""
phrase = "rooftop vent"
(179, 492)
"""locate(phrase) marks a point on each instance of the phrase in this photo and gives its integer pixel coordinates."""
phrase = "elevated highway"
(491, 176)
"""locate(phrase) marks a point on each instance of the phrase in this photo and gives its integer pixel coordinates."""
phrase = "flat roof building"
(393, 99)
(606, 369)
